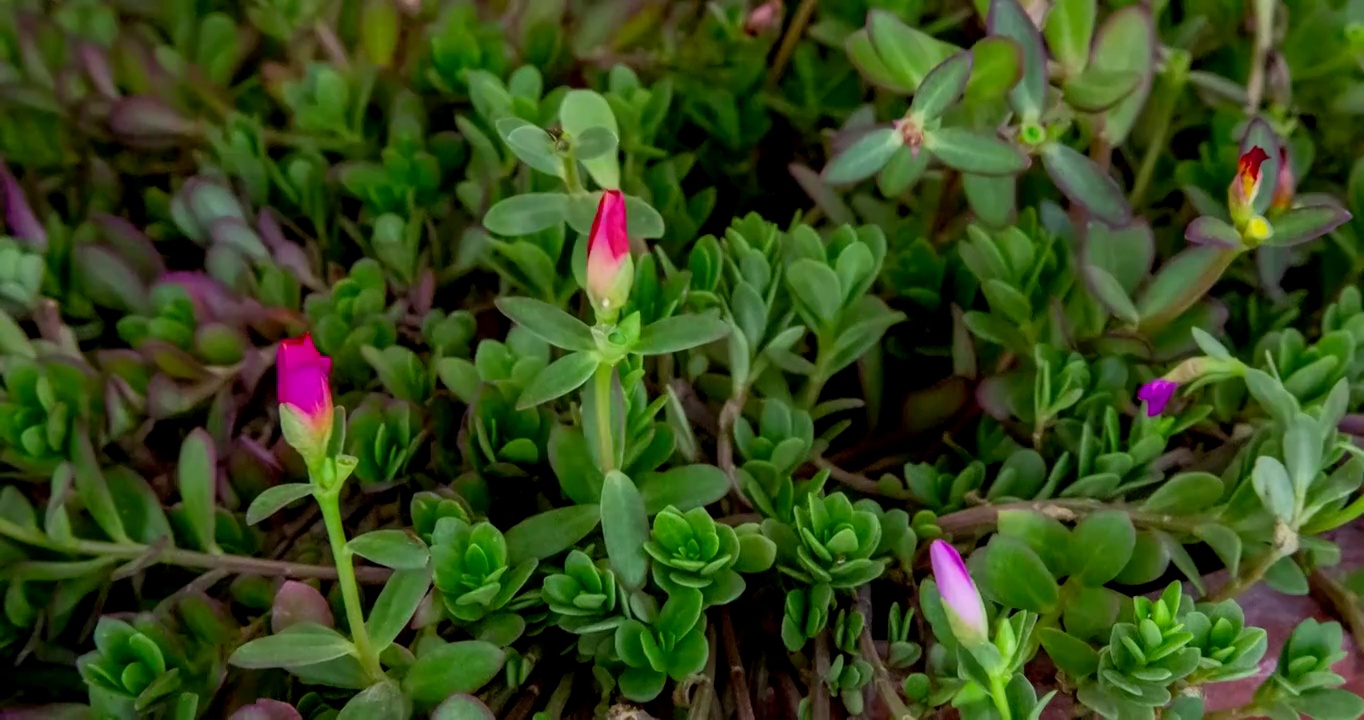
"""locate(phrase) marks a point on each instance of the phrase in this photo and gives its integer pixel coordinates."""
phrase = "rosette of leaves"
(1144, 657)
(502, 439)
(1229, 649)
(584, 596)
(805, 615)
(44, 404)
(319, 102)
(128, 665)
(901, 651)
(663, 643)
(470, 569)
(429, 507)
(463, 42)
(1310, 371)
(354, 315)
(830, 284)
(781, 443)
(692, 550)
(831, 542)
(938, 489)
(403, 181)
(1303, 682)
(849, 672)
(1106, 464)
(174, 321)
(382, 434)
(21, 276)
(449, 334)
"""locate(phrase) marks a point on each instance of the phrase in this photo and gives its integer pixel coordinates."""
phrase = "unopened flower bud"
(1246, 185)
(610, 270)
(763, 18)
(1285, 184)
(960, 600)
(305, 397)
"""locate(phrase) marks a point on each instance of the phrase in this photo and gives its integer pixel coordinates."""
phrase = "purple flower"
(961, 601)
(1156, 394)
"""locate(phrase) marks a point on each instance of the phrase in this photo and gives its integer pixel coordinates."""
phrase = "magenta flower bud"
(960, 600)
(610, 270)
(763, 18)
(1157, 394)
(305, 397)
(20, 222)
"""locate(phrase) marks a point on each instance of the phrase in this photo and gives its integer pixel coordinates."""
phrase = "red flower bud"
(610, 270)
(1246, 186)
(305, 396)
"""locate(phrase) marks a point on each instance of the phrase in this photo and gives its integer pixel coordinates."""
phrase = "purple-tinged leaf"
(108, 281)
(1182, 281)
(908, 53)
(1125, 252)
(1207, 230)
(132, 245)
(297, 602)
(1259, 134)
(1108, 291)
(20, 222)
(1126, 42)
(820, 192)
(1298, 225)
(996, 67)
(95, 61)
(1069, 30)
(942, 87)
(148, 122)
(1008, 19)
(864, 157)
(1083, 183)
(266, 709)
(972, 151)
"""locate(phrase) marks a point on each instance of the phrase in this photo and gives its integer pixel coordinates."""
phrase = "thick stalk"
(601, 387)
(1000, 697)
(345, 577)
(237, 564)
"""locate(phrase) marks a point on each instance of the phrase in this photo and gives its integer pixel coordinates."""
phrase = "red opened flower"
(305, 396)
(610, 270)
(1241, 195)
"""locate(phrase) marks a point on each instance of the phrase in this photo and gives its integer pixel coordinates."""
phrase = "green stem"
(1285, 544)
(1001, 698)
(815, 384)
(571, 179)
(1172, 86)
(804, 11)
(345, 577)
(601, 385)
(184, 558)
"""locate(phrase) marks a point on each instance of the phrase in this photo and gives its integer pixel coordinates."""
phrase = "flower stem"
(345, 577)
(1001, 698)
(601, 385)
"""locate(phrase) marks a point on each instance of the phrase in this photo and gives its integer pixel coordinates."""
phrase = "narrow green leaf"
(942, 87)
(996, 67)
(460, 667)
(625, 528)
(684, 487)
(549, 323)
(275, 499)
(1096, 89)
(972, 151)
(1069, 30)
(551, 532)
(680, 332)
(908, 53)
(1126, 42)
(1009, 19)
(396, 605)
(1109, 291)
(398, 549)
(92, 488)
(1299, 225)
(297, 645)
(560, 378)
(863, 158)
(526, 214)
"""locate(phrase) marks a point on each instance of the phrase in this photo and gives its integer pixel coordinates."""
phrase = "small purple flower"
(961, 601)
(1156, 394)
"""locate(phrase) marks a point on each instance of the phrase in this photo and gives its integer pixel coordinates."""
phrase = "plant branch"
(724, 446)
(885, 686)
(856, 481)
(705, 693)
(788, 42)
(236, 564)
(1341, 600)
(738, 680)
(1263, 15)
(819, 688)
(984, 517)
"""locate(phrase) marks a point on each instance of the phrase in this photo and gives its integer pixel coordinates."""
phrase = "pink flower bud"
(305, 396)
(610, 270)
(266, 709)
(1246, 185)
(961, 601)
(763, 18)
(1157, 394)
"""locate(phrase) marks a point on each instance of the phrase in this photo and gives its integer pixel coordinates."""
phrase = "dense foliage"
(574, 358)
